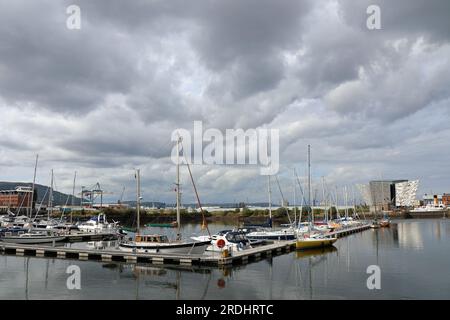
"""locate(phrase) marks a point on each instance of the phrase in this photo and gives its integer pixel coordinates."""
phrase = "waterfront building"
(405, 193)
(19, 198)
(433, 199)
(389, 194)
(446, 199)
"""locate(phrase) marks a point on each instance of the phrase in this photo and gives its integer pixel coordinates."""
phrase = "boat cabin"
(151, 238)
(236, 237)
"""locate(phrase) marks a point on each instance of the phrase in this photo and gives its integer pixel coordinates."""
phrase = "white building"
(405, 193)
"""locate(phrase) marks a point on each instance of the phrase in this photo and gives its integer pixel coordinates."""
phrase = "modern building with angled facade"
(389, 194)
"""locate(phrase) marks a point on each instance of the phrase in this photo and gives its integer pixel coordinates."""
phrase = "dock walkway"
(208, 259)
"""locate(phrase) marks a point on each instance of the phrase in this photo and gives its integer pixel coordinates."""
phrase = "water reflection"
(410, 235)
(315, 252)
(409, 254)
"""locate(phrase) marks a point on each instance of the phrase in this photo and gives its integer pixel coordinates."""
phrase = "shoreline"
(128, 216)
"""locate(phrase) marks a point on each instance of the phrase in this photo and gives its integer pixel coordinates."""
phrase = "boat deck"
(207, 259)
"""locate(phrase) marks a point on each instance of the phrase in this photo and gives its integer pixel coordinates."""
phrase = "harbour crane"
(89, 195)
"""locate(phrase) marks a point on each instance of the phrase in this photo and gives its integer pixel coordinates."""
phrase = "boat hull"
(304, 244)
(32, 240)
(173, 248)
(161, 225)
(384, 224)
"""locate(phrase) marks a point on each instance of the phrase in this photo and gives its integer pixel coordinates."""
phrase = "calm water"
(414, 257)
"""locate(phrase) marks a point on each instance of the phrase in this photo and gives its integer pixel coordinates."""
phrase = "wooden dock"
(207, 259)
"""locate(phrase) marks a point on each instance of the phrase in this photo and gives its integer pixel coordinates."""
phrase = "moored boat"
(160, 244)
(314, 243)
(33, 237)
(172, 224)
(227, 239)
(311, 240)
(375, 224)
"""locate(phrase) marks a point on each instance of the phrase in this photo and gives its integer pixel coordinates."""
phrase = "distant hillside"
(59, 198)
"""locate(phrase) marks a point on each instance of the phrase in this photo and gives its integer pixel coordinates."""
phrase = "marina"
(402, 251)
(219, 258)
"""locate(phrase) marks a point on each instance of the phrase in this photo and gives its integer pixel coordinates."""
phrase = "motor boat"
(98, 224)
(270, 234)
(227, 239)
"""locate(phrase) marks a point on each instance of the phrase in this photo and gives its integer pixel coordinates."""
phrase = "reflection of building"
(410, 235)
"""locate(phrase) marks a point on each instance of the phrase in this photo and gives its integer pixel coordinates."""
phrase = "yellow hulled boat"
(314, 243)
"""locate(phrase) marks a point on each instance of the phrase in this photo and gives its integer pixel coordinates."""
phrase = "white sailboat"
(259, 233)
(156, 243)
(310, 241)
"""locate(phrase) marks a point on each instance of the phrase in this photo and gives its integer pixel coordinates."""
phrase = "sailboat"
(33, 237)
(385, 222)
(310, 241)
(257, 233)
(157, 243)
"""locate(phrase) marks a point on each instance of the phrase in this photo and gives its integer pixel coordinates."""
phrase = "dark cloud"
(105, 99)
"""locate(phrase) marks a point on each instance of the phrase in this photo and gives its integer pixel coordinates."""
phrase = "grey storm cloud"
(105, 99)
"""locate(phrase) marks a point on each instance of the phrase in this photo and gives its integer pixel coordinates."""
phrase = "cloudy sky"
(105, 99)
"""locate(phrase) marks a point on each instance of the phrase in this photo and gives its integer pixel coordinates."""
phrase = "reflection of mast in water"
(177, 285)
(46, 274)
(27, 263)
(270, 262)
(376, 237)
(310, 279)
(315, 258)
(206, 287)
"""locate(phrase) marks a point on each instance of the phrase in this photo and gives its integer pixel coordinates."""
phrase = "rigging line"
(282, 198)
(40, 205)
(195, 190)
(301, 189)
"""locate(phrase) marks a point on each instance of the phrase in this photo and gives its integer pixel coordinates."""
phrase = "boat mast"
(73, 197)
(178, 190)
(295, 197)
(32, 187)
(346, 203)
(338, 216)
(138, 198)
(50, 198)
(270, 202)
(324, 201)
(309, 184)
